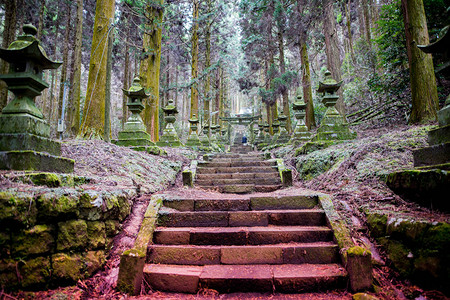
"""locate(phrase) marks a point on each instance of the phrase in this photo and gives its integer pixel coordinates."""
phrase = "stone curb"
(189, 174)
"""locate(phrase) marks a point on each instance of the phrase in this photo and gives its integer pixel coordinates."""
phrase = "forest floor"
(350, 190)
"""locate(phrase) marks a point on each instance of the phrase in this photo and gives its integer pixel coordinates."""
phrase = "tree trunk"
(306, 83)
(207, 113)
(283, 70)
(126, 74)
(107, 129)
(366, 13)
(422, 79)
(41, 20)
(194, 63)
(53, 88)
(349, 29)
(167, 94)
(64, 80)
(93, 122)
(9, 35)
(151, 65)
(222, 98)
(73, 113)
(332, 49)
(217, 87)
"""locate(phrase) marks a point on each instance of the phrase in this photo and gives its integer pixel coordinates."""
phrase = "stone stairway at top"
(239, 171)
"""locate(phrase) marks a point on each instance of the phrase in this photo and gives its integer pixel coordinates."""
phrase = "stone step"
(306, 217)
(255, 163)
(238, 155)
(233, 182)
(244, 204)
(210, 170)
(235, 159)
(245, 278)
(242, 188)
(292, 253)
(274, 175)
(241, 235)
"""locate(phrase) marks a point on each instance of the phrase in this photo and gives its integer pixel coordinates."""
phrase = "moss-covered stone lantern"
(283, 135)
(333, 126)
(301, 133)
(169, 137)
(25, 142)
(204, 139)
(134, 131)
(260, 135)
(267, 136)
(193, 139)
(276, 131)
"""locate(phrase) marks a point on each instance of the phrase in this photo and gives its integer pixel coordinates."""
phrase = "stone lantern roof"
(136, 90)
(27, 47)
(170, 108)
(329, 85)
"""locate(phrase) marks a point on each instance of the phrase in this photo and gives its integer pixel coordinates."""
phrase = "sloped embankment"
(59, 228)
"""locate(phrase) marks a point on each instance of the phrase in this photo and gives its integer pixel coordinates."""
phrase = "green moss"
(36, 240)
(377, 224)
(72, 235)
(48, 179)
(112, 227)
(57, 205)
(35, 272)
(134, 253)
(96, 235)
(438, 238)
(67, 268)
(398, 254)
(93, 261)
(358, 251)
(17, 209)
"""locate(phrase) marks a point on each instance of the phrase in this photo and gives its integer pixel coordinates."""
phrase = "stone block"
(39, 239)
(17, 209)
(439, 135)
(179, 279)
(35, 161)
(179, 204)
(58, 205)
(35, 273)
(112, 227)
(188, 178)
(248, 218)
(93, 261)
(67, 268)
(283, 202)
(222, 205)
(321, 253)
(184, 255)
(96, 235)
(145, 235)
(26, 141)
(433, 155)
(359, 268)
(286, 177)
(444, 116)
(249, 255)
(8, 273)
(72, 235)
(131, 271)
(179, 237)
(23, 123)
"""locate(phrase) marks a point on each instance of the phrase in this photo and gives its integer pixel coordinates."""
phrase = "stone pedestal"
(169, 137)
(283, 135)
(25, 142)
(301, 133)
(204, 139)
(276, 132)
(193, 140)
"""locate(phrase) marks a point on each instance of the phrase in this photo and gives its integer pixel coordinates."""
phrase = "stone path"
(240, 171)
(251, 243)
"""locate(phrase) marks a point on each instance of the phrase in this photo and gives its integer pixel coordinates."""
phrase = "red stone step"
(290, 253)
(273, 175)
(241, 235)
(305, 217)
(238, 169)
(255, 163)
(243, 188)
(232, 182)
(245, 278)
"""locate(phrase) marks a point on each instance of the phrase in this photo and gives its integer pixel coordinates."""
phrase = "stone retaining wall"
(51, 237)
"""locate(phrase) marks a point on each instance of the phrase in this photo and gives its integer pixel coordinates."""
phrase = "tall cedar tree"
(151, 64)
(92, 125)
(422, 79)
(194, 71)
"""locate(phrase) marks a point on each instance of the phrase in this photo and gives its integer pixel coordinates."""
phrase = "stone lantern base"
(25, 145)
(169, 138)
(283, 136)
(300, 135)
(334, 128)
(193, 140)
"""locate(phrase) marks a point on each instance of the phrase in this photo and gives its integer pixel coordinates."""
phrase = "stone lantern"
(267, 137)
(283, 135)
(25, 142)
(169, 137)
(134, 131)
(204, 139)
(333, 126)
(301, 133)
(193, 139)
(260, 135)
(276, 131)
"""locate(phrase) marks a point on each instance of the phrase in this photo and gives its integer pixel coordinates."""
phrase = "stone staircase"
(239, 172)
(263, 244)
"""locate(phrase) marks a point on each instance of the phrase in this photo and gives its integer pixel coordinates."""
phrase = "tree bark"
(332, 49)
(422, 79)
(9, 35)
(349, 29)
(285, 92)
(368, 35)
(41, 20)
(194, 62)
(151, 65)
(73, 113)
(126, 82)
(306, 83)
(207, 66)
(64, 67)
(93, 122)
(107, 128)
